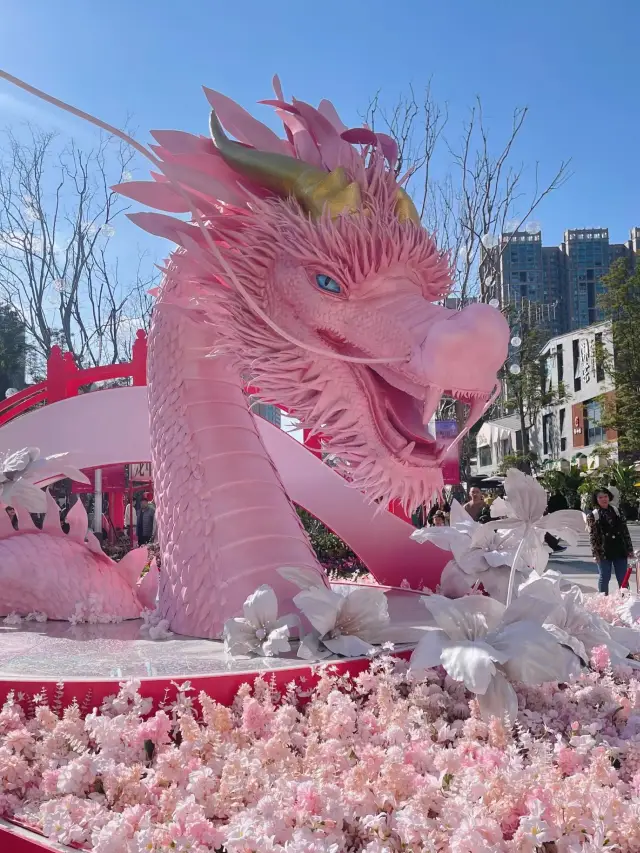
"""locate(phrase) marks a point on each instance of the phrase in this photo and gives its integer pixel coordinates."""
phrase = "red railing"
(65, 378)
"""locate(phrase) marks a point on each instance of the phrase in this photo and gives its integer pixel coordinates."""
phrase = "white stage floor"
(60, 650)
(53, 650)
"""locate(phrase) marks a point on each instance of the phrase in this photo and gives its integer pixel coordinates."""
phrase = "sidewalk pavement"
(577, 564)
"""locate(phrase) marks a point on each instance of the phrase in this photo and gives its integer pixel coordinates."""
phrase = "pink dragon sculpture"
(304, 270)
(63, 576)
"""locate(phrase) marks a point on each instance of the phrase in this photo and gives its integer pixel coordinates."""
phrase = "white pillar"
(97, 502)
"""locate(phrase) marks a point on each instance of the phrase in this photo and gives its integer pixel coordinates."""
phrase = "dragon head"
(323, 284)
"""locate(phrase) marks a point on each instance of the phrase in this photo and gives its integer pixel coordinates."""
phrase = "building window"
(599, 358)
(484, 457)
(594, 433)
(546, 433)
(577, 382)
(560, 363)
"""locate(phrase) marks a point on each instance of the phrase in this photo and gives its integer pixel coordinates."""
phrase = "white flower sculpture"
(259, 631)
(576, 627)
(488, 560)
(484, 644)
(20, 471)
(522, 513)
(629, 611)
(347, 620)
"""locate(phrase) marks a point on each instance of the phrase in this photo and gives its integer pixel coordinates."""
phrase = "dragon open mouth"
(403, 419)
(403, 409)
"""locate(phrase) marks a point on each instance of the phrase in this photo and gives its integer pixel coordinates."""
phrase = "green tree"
(620, 303)
(331, 551)
(567, 483)
(13, 350)
(525, 377)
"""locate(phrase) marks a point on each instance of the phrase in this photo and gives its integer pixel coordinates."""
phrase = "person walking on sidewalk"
(556, 502)
(610, 540)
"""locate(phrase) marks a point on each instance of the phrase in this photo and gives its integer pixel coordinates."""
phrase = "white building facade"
(495, 440)
(577, 374)
(571, 429)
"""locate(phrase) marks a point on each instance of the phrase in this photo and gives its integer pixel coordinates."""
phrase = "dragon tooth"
(431, 403)
(408, 450)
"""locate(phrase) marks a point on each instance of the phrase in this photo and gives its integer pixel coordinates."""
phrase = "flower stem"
(514, 565)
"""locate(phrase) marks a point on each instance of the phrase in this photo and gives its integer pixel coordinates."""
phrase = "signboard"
(446, 431)
(140, 472)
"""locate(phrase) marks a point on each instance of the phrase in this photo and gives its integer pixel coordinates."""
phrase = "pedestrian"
(439, 519)
(610, 539)
(476, 507)
(146, 522)
(442, 506)
(557, 501)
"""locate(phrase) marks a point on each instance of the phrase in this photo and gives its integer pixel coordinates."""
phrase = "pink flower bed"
(377, 764)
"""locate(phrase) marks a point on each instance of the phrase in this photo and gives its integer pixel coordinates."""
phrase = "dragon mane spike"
(313, 188)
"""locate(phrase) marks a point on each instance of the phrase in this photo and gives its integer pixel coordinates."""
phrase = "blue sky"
(574, 63)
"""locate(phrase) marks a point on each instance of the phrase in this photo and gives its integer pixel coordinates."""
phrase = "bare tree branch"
(57, 263)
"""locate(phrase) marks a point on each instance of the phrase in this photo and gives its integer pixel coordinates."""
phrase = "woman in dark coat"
(610, 540)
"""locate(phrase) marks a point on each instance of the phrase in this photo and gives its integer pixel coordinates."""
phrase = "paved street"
(578, 566)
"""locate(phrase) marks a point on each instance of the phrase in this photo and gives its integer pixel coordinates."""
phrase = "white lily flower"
(480, 553)
(484, 644)
(574, 626)
(629, 611)
(523, 514)
(20, 471)
(525, 506)
(259, 631)
(348, 621)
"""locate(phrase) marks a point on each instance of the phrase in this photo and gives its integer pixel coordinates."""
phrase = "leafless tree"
(480, 201)
(58, 267)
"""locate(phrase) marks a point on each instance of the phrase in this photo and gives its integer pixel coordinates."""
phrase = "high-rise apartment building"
(269, 413)
(530, 274)
(566, 280)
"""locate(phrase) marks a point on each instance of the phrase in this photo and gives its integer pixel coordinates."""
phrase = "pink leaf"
(78, 522)
(157, 224)
(331, 114)
(389, 148)
(179, 142)
(51, 523)
(359, 136)
(335, 151)
(131, 566)
(305, 147)
(205, 185)
(281, 105)
(25, 522)
(277, 87)
(243, 125)
(157, 195)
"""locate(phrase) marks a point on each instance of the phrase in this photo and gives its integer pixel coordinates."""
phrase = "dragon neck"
(224, 519)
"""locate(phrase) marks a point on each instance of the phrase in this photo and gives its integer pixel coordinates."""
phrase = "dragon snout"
(465, 350)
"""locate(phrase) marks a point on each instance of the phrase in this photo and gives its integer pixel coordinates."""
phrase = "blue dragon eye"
(328, 284)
